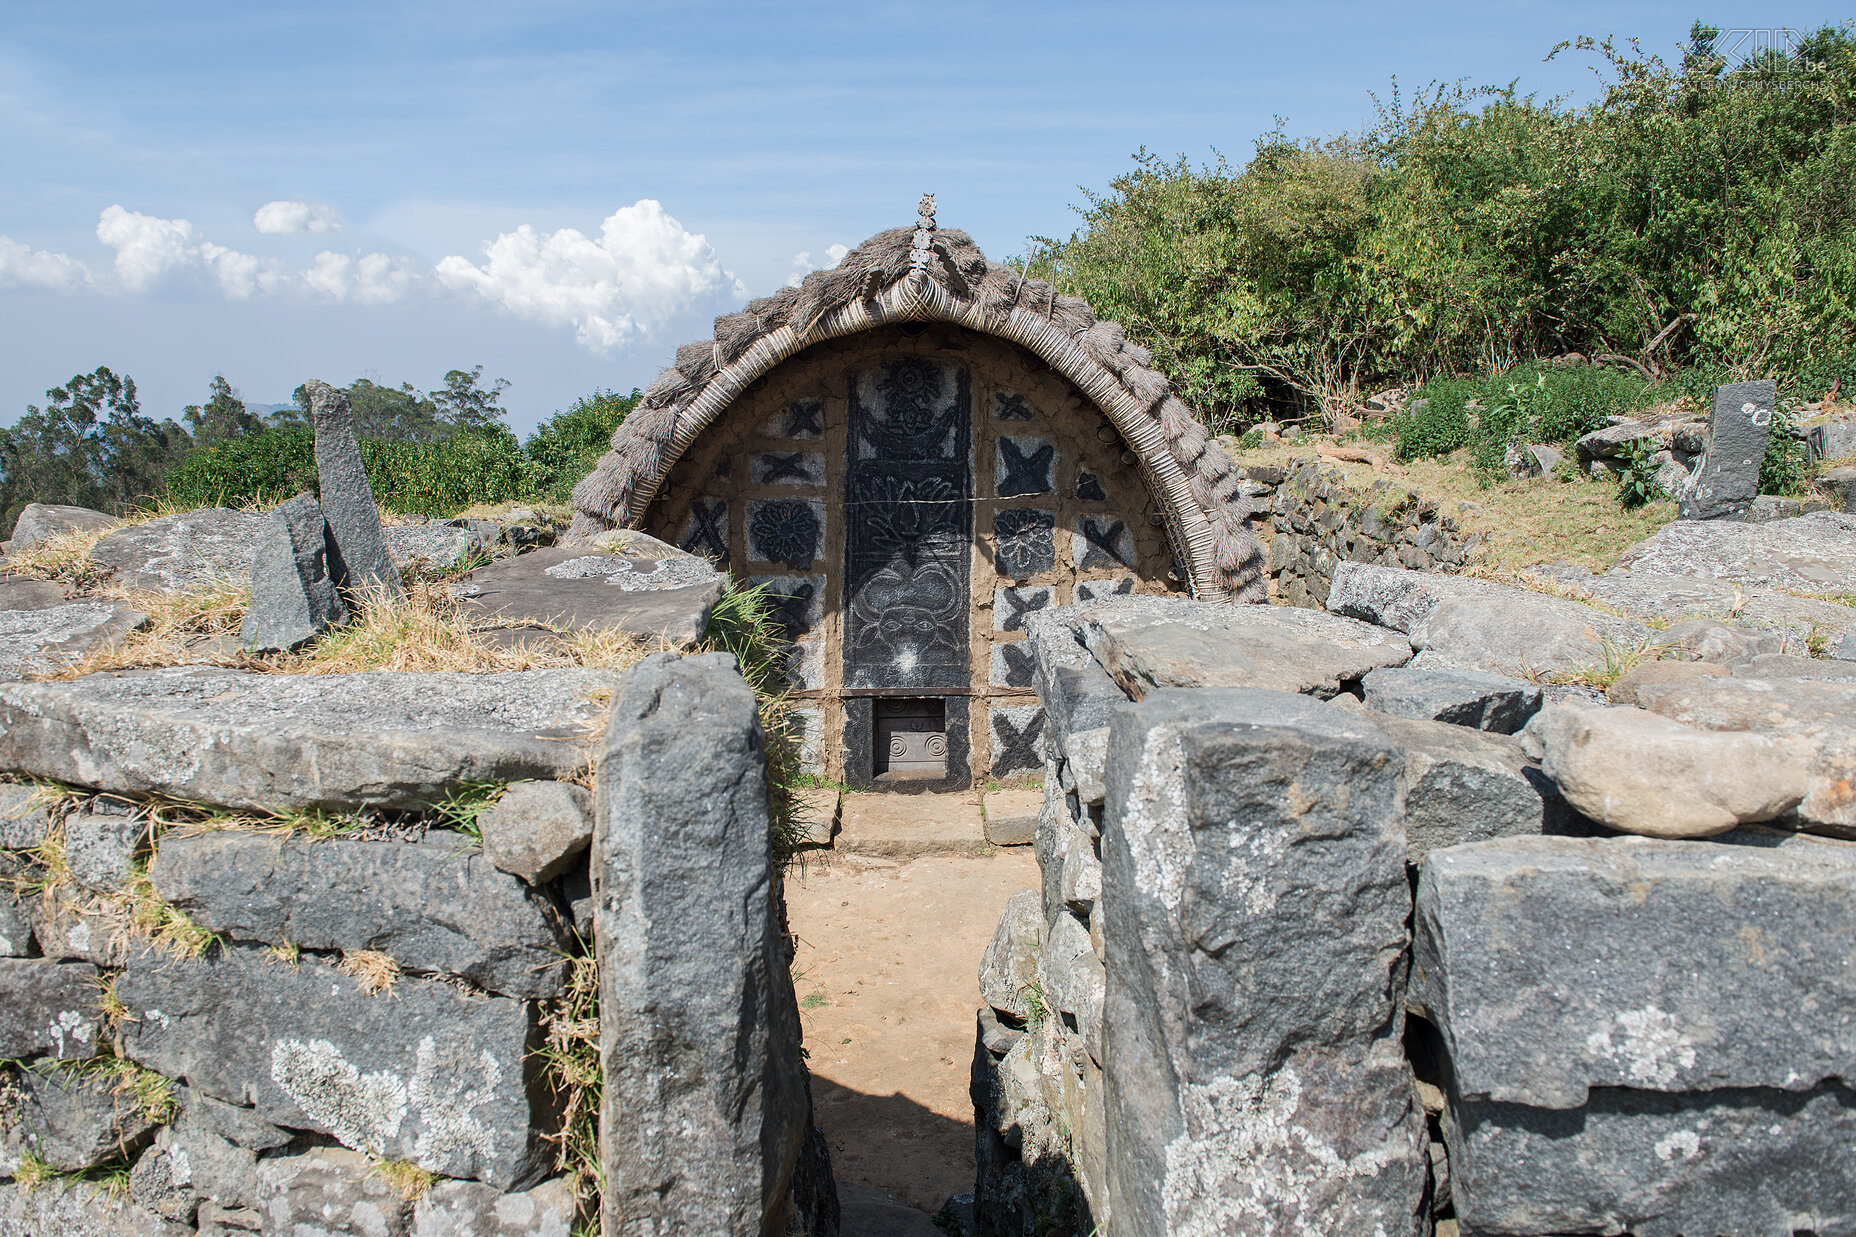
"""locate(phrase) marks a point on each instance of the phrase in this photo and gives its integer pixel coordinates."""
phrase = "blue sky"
(564, 192)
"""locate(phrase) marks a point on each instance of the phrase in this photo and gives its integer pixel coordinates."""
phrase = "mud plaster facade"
(973, 459)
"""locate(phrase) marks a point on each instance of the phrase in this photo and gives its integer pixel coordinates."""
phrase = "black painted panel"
(908, 492)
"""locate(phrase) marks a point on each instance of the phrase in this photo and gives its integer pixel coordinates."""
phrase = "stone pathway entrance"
(886, 973)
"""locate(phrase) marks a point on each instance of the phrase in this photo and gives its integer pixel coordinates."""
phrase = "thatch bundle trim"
(922, 274)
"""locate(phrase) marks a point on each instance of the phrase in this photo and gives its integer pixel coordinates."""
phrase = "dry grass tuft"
(374, 971)
(196, 628)
(408, 1180)
(570, 1062)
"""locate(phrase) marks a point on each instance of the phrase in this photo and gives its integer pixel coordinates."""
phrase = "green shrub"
(1783, 470)
(1637, 484)
(565, 447)
(1436, 421)
(438, 478)
(1532, 403)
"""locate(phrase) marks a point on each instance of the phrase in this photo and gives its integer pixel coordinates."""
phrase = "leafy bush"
(1637, 484)
(1783, 470)
(565, 447)
(1532, 403)
(1695, 215)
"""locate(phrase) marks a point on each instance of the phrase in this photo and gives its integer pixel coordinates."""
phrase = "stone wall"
(1313, 518)
(298, 955)
(1334, 937)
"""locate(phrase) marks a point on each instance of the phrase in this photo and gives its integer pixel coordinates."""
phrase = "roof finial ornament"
(921, 244)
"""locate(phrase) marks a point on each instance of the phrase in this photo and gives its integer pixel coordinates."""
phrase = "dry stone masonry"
(1618, 1001)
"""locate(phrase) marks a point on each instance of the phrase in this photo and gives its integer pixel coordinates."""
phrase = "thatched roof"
(929, 274)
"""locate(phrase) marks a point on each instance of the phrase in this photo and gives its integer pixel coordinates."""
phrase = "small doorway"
(910, 739)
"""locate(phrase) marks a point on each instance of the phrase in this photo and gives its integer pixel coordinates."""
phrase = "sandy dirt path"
(886, 972)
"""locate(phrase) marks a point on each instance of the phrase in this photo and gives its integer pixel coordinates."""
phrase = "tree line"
(428, 452)
(1696, 217)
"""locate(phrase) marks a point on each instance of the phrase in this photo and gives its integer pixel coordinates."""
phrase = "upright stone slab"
(293, 593)
(1254, 881)
(347, 498)
(705, 1111)
(1645, 1036)
(1727, 478)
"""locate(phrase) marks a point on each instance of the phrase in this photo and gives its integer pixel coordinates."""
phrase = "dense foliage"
(565, 447)
(1696, 216)
(89, 446)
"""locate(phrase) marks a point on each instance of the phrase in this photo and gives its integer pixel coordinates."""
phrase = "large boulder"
(705, 1109)
(45, 640)
(420, 1072)
(40, 522)
(1640, 773)
(174, 553)
(436, 905)
(273, 741)
(587, 589)
(1644, 1036)
(1147, 643)
(1254, 882)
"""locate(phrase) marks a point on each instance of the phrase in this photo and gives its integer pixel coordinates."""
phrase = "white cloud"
(287, 218)
(147, 247)
(803, 264)
(369, 279)
(641, 272)
(23, 266)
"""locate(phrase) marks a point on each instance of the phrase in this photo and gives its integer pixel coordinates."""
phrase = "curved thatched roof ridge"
(926, 274)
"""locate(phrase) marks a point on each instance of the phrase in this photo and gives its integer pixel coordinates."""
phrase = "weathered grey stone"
(48, 1008)
(1642, 681)
(1840, 485)
(1464, 785)
(268, 741)
(1155, 642)
(1393, 596)
(1074, 980)
(100, 846)
(1830, 441)
(994, 1036)
(1081, 881)
(39, 522)
(1767, 508)
(1644, 1035)
(347, 498)
(1811, 554)
(468, 1209)
(1532, 460)
(1613, 440)
(203, 1161)
(1792, 666)
(1640, 773)
(293, 594)
(76, 1119)
(44, 641)
(76, 1210)
(1652, 594)
(424, 1072)
(1714, 641)
(433, 905)
(24, 820)
(174, 553)
(25, 593)
(329, 1192)
(1254, 879)
(536, 829)
(1515, 632)
(440, 546)
(15, 928)
(69, 923)
(705, 1111)
(218, 1221)
(1009, 967)
(164, 1185)
(1056, 825)
(1726, 477)
(1471, 698)
(1076, 692)
(1085, 756)
(575, 588)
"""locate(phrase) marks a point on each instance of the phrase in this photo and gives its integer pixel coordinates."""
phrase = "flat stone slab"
(421, 1072)
(1813, 553)
(1464, 785)
(274, 741)
(1472, 698)
(815, 811)
(1012, 816)
(24, 593)
(1555, 965)
(48, 1008)
(38, 522)
(41, 640)
(594, 590)
(1146, 643)
(433, 905)
(175, 553)
(1648, 594)
(906, 826)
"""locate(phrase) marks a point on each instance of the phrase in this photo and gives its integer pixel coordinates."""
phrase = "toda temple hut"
(914, 451)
